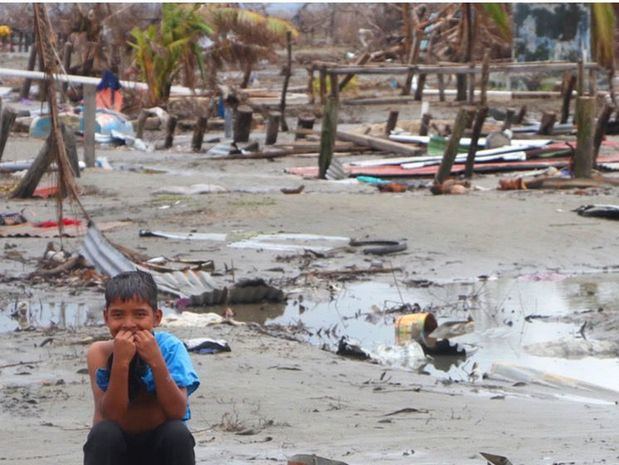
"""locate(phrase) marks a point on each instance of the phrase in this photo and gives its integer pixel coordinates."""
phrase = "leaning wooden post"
(66, 63)
(272, 128)
(32, 61)
(30, 181)
(452, 148)
(242, 123)
(583, 158)
(328, 130)
(288, 72)
(472, 84)
(521, 114)
(8, 118)
(568, 88)
(198, 133)
(485, 77)
(71, 147)
(425, 124)
(549, 118)
(480, 117)
(509, 118)
(139, 130)
(305, 121)
(600, 130)
(90, 123)
(392, 120)
(169, 132)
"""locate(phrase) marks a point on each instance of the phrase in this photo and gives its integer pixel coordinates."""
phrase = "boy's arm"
(172, 399)
(113, 403)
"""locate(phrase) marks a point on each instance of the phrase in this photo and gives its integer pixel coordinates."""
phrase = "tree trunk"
(169, 134)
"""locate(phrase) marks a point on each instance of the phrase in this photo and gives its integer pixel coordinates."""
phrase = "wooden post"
(90, 123)
(242, 123)
(139, 130)
(310, 85)
(392, 120)
(198, 133)
(328, 131)
(568, 88)
(480, 117)
(441, 86)
(169, 132)
(593, 82)
(583, 158)
(425, 124)
(272, 128)
(71, 147)
(288, 72)
(305, 121)
(580, 84)
(600, 130)
(363, 59)
(548, 121)
(323, 84)
(8, 118)
(30, 181)
(452, 147)
(485, 77)
(66, 63)
(32, 60)
(521, 114)
(471, 78)
(509, 118)
(42, 92)
(421, 80)
(470, 116)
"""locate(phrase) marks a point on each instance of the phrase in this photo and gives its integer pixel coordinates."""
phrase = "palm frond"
(603, 33)
(499, 16)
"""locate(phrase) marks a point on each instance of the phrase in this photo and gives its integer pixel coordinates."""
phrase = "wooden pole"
(470, 116)
(71, 148)
(363, 59)
(485, 76)
(441, 87)
(600, 130)
(425, 124)
(452, 147)
(583, 158)
(169, 132)
(310, 85)
(242, 123)
(509, 118)
(90, 123)
(392, 120)
(30, 181)
(139, 130)
(593, 82)
(328, 130)
(580, 84)
(568, 88)
(323, 84)
(32, 60)
(198, 133)
(288, 72)
(521, 114)
(8, 118)
(480, 117)
(471, 83)
(305, 121)
(548, 121)
(66, 63)
(272, 128)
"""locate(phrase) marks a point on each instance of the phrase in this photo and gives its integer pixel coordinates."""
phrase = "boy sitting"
(140, 382)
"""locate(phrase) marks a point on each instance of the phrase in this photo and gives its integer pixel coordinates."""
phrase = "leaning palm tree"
(241, 37)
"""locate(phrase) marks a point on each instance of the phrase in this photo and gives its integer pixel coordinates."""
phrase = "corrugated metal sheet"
(196, 285)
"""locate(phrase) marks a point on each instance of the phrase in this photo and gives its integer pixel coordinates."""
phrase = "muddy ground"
(271, 398)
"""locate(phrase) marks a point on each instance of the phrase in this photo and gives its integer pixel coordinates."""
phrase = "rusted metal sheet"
(551, 31)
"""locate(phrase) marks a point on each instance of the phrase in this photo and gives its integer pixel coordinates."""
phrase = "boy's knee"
(176, 433)
(106, 432)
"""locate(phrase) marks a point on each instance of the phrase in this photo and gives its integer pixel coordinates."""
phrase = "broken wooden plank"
(379, 144)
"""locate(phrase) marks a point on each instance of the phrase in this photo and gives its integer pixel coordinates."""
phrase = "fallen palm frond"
(603, 33)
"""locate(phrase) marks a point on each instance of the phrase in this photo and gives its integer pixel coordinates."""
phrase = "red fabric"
(54, 224)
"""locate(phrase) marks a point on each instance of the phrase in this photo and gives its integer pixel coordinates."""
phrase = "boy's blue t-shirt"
(178, 362)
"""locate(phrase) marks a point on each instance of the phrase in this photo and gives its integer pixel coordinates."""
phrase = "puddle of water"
(499, 309)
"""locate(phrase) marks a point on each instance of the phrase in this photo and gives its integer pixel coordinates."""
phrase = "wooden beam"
(377, 143)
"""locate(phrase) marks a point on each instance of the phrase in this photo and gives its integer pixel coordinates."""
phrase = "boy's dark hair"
(129, 285)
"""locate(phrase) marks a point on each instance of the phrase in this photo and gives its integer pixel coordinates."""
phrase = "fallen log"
(379, 144)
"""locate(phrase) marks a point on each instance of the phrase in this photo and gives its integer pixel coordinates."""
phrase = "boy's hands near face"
(147, 346)
(124, 346)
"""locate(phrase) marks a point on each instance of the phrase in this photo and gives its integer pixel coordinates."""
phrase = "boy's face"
(131, 315)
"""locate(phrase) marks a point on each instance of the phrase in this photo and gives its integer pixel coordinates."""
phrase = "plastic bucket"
(415, 327)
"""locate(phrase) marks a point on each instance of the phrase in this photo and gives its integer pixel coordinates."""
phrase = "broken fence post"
(7, 120)
(305, 121)
(485, 76)
(169, 132)
(71, 148)
(600, 130)
(509, 118)
(583, 158)
(480, 118)
(471, 79)
(139, 130)
(392, 120)
(580, 83)
(272, 128)
(425, 124)
(569, 83)
(198, 133)
(441, 86)
(452, 148)
(288, 72)
(242, 123)
(521, 114)
(549, 118)
(90, 123)
(328, 130)
(470, 116)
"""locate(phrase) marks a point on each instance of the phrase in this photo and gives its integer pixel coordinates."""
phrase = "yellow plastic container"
(415, 327)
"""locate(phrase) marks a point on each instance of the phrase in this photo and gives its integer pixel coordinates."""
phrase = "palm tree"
(242, 37)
